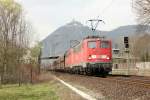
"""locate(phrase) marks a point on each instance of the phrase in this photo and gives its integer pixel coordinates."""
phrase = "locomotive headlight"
(107, 58)
(103, 56)
(93, 56)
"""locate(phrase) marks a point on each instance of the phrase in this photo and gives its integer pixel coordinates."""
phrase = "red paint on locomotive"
(90, 50)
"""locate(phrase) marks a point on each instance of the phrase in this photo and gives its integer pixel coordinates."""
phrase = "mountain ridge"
(59, 41)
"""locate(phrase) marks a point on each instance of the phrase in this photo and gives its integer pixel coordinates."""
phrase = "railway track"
(132, 81)
(112, 87)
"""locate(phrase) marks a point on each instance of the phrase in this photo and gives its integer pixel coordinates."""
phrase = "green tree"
(36, 55)
(35, 52)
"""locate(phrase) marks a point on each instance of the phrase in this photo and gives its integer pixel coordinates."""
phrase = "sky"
(46, 16)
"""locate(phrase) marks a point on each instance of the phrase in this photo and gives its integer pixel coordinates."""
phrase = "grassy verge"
(43, 91)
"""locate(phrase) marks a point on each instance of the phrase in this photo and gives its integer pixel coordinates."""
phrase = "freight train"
(93, 55)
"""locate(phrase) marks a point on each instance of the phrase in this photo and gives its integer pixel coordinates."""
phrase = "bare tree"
(140, 47)
(13, 38)
(143, 11)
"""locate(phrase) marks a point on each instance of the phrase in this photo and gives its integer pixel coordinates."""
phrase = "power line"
(97, 19)
(106, 8)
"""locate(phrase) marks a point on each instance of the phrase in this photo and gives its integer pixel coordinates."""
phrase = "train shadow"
(95, 75)
(109, 75)
(116, 75)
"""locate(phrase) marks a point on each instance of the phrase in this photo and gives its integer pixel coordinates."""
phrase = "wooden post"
(31, 75)
(0, 81)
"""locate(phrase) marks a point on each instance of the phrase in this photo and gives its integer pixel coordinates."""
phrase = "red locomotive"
(93, 55)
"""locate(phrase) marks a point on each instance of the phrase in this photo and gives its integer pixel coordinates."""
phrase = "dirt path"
(63, 92)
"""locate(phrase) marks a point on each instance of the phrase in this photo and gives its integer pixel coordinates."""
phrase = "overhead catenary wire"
(97, 19)
(106, 8)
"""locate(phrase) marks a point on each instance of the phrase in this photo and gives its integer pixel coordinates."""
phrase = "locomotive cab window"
(92, 44)
(104, 44)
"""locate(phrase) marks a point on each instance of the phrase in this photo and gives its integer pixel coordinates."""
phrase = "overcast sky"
(48, 15)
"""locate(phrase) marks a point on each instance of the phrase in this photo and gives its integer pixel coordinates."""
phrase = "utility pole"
(128, 61)
(126, 44)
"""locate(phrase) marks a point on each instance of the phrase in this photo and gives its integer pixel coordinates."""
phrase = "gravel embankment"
(112, 87)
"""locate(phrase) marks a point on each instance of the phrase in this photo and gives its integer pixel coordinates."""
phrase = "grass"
(43, 91)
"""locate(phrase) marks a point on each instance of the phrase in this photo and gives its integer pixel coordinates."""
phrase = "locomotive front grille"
(100, 66)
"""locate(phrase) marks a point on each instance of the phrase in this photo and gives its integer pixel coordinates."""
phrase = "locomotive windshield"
(104, 44)
(92, 44)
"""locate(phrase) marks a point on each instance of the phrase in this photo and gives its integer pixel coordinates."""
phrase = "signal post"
(126, 44)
